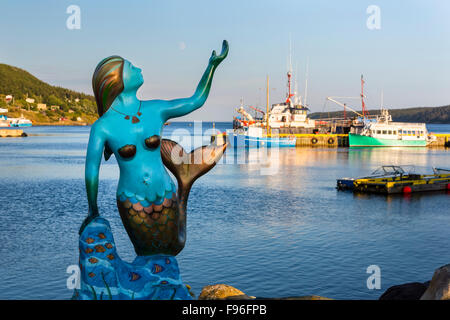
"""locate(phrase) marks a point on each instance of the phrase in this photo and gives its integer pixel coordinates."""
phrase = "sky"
(406, 58)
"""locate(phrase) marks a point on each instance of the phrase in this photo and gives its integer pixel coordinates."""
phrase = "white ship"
(383, 132)
(291, 113)
(20, 122)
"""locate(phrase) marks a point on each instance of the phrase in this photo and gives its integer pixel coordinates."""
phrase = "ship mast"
(306, 81)
(289, 74)
(290, 94)
(363, 105)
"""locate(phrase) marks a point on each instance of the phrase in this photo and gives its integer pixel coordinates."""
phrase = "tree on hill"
(22, 84)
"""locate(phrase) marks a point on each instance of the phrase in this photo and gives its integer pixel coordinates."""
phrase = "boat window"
(390, 132)
(378, 131)
(394, 132)
(384, 132)
(409, 132)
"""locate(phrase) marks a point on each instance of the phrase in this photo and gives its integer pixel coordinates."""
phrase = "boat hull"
(240, 140)
(400, 184)
(22, 125)
(356, 140)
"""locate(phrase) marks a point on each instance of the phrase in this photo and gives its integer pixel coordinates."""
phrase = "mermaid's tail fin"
(188, 167)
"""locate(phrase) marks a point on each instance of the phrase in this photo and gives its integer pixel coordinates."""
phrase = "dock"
(443, 140)
(394, 179)
(341, 140)
(12, 133)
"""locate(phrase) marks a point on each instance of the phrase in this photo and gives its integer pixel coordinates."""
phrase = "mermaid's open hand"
(215, 60)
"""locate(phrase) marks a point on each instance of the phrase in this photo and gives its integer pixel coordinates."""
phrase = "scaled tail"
(188, 167)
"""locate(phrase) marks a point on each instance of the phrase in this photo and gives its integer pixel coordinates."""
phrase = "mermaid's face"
(132, 76)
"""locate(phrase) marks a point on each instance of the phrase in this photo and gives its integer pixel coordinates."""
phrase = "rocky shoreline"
(438, 288)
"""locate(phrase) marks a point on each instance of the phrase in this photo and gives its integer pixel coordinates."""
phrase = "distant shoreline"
(72, 124)
(428, 115)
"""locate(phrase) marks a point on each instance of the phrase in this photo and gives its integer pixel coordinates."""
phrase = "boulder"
(407, 291)
(222, 291)
(226, 292)
(439, 288)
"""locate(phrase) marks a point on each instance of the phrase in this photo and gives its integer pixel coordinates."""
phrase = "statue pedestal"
(105, 276)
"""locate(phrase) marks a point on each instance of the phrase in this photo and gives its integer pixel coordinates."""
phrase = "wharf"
(341, 140)
(443, 140)
(12, 133)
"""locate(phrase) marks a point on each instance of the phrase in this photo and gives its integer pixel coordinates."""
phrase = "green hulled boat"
(357, 140)
(383, 132)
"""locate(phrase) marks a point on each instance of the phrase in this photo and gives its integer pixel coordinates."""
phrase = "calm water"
(286, 234)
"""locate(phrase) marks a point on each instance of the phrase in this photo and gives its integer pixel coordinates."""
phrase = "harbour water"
(270, 235)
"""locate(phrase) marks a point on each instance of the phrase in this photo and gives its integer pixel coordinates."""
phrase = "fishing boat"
(291, 113)
(381, 131)
(254, 132)
(253, 136)
(277, 126)
(391, 179)
(20, 122)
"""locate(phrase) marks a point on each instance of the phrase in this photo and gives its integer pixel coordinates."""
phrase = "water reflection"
(241, 221)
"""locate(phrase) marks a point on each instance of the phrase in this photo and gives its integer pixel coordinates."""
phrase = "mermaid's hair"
(107, 82)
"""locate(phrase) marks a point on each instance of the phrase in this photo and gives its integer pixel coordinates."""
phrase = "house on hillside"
(41, 106)
(55, 108)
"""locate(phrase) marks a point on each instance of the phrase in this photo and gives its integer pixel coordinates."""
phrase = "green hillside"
(421, 114)
(22, 85)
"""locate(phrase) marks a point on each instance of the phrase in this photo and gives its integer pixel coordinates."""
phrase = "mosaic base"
(105, 276)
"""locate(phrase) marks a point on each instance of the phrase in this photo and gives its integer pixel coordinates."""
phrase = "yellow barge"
(395, 179)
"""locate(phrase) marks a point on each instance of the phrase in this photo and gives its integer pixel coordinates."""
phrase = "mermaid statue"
(152, 208)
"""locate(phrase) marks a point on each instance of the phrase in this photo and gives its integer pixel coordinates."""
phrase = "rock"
(226, 292)
(439, 288)
(220, 291)
(407, 291)
(240, 297)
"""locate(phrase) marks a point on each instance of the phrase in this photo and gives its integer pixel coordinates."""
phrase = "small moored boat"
(397, 179)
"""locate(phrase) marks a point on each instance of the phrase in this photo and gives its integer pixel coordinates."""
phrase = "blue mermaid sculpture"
(152, 208)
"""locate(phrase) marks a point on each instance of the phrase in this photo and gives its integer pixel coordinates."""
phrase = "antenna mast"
(363, 105)
(289, 73)
(306, 80)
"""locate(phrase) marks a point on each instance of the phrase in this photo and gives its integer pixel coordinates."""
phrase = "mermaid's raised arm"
(180, 107)
(92, 167)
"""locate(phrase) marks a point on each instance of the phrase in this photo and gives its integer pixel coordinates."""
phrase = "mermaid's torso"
(146, 194)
